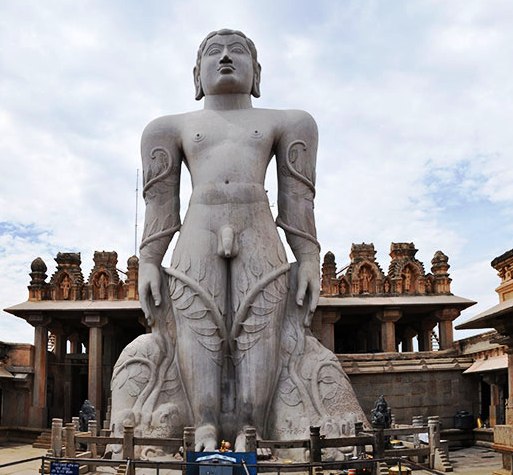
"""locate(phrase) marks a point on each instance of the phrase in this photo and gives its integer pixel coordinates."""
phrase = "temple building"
(365, 311)
(80, 328)
(393, 334)
(496, 367)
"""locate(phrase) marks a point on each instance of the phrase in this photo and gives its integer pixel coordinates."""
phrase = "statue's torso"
(227, 154)
(228, 147)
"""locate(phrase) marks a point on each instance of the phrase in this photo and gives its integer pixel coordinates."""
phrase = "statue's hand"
(149, 289)
(308, 283)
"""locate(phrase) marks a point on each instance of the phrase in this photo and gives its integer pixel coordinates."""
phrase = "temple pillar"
(109, 353)
(328, 329)
(424, 335)
(509, 409)
(445, 318)
(58, 408)
(60, 343)
(491, 380)
(388, 318)
(95, 322)
(74, 343)
(373, 340)
(362, 339)
(39, 409)
(407, 339)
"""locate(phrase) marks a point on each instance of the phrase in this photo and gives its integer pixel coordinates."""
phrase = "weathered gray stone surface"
(230, 345)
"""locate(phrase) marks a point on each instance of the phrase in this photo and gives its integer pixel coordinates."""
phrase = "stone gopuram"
(230, 345)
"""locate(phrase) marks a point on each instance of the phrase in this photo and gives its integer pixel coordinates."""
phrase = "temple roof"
(396, 301)
(72, 305)
(490, 317)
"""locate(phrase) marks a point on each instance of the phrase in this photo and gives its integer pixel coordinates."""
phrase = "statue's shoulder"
(167, 125)
(292, 122)
(289, 119)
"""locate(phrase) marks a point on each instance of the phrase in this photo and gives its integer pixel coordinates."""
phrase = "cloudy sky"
(413, 100)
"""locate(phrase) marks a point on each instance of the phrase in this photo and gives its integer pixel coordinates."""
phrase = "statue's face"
(226, 66)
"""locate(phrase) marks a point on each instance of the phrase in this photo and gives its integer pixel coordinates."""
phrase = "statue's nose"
(225, 59)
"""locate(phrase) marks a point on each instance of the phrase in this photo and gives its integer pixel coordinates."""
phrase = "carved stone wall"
(16, 368)
(406, 274)
(417, 384)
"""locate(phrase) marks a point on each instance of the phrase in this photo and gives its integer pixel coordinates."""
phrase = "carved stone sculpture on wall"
(230, 345)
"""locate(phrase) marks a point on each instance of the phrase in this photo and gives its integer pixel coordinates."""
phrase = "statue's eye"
(213, 51)
(237, 49)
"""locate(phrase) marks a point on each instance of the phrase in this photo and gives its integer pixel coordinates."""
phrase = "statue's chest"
(222, 136)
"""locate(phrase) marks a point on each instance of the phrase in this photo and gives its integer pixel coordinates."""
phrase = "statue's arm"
(161, 159)
(296, 154)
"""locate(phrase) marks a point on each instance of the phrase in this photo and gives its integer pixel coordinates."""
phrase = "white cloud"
(413, 101)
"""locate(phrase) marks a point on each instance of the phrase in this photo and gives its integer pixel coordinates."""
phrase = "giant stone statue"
(230, 345)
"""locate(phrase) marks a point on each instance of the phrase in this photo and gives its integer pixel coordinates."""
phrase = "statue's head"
(207, 46)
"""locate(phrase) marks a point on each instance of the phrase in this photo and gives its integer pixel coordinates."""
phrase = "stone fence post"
(379, 443)
(434, 438)
(189, 443)
(315, 445)
(128, 441)
(76, 422)
(251, 443)
(128, 445)
(57, 437)
(417, 421)
(69, 431)
(92, 428)
(358, 429)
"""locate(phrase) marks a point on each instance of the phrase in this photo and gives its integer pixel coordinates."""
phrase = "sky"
(413, 100)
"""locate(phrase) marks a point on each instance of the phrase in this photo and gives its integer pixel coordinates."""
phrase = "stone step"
(43, 441)
(264, 454)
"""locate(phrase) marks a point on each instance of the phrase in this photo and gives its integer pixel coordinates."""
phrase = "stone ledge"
(416, 362)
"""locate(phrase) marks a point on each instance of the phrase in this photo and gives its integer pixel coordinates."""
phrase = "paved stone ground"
(468, 461)
(12, 452)
(475, 461)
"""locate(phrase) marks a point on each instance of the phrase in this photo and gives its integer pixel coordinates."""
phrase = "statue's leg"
(197, 290)
(259, 294)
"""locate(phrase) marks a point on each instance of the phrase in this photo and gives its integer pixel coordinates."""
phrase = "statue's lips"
(226, 69)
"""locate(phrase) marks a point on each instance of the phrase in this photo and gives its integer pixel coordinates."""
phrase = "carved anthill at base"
(312, 389)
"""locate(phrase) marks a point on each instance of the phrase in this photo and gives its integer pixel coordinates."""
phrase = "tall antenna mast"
(136, 210)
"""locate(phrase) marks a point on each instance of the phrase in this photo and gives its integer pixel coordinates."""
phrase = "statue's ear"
(197, 83)
(255, 91)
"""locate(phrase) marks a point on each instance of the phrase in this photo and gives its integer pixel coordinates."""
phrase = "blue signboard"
(231, 459)
(64, 468)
